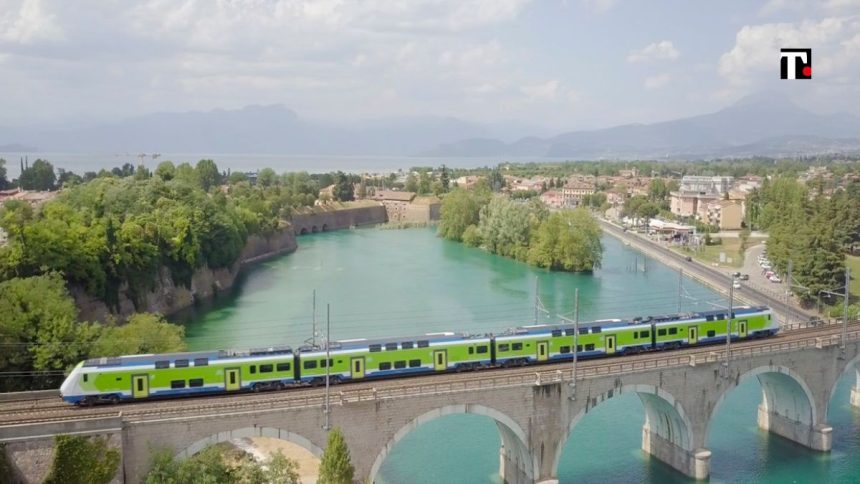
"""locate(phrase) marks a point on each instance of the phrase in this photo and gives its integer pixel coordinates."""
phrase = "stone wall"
(167, 297)
(324, 219)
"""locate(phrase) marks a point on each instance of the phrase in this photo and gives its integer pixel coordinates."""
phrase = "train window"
(482, 349)
(673, 330)
(323, 364)
(661, 332)
(253, 369)
(310, 365)
(406, 345)
(390, 346)
(721, 316)
(119, 378)
(160, 365)
(85, 377)
(589, 347)
(583, 330)
(399, 364)
(175, 384)
(266, 368)
(471, 350)
(556, 332)
(596, 329)
(564, 350)
(283, 367)
(517, 346)
(414, 363)
(709, 318)
(423, 343)
(712, 333)
(375, 348)
(180, 364)
(578, 348)
(645, 334)
(504, 347)
(569, 332)
(201, 361)
(195, 382)
(140, 385)
(636, 335)
(385, 366)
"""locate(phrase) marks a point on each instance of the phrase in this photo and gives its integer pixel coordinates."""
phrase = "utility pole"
(575, 340)
(537, 297)
(729, 322)
(314, 335)
(680, 279)
(845, 308)
(327, 426)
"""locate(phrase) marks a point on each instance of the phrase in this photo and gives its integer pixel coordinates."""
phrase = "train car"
(142, 377)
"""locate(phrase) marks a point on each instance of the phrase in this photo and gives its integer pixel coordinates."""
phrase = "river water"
(405, 282)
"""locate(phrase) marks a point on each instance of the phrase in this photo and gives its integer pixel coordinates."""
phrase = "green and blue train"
(141, 377)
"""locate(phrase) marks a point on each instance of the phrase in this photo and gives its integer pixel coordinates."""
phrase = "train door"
(357, 368)
(742, 328)
(140, 386)
(693, 335)
(542, 350)
(440, 360)
(610, 345)
(232, 379)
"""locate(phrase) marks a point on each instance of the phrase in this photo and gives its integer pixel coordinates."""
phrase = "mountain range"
(761, 124)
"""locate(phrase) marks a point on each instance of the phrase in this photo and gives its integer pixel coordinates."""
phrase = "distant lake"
(83, 162)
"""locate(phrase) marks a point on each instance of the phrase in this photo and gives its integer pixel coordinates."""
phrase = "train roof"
(134, 360)
(359, 343)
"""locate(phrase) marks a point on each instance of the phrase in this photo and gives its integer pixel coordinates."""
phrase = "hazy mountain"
(259, 129)
(758, 124)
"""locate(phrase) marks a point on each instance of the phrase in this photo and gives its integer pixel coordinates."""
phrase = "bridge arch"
(315, 229)
(853, 365)
(514, 440)
(664, 416)
(784, 393)
(303, 231)
(245, 432)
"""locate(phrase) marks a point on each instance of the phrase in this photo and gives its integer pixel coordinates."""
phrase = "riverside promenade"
(720, 281)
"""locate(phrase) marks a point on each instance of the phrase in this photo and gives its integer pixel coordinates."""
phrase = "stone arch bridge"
(535, 409)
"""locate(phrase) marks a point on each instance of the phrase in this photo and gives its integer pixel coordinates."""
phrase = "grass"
(710, 254)
(854, 263)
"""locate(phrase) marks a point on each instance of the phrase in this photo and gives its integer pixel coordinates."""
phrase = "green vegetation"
(82, 460)
(221, 464)
(523, 230)
(854, 263)
(335, 467)
(802, 229)
(40, 332)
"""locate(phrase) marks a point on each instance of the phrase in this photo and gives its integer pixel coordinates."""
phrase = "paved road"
(715, 278)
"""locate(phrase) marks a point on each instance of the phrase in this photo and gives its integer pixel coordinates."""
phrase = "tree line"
(567, 240)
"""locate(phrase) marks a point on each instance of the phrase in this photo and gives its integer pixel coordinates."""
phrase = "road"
(716, 279)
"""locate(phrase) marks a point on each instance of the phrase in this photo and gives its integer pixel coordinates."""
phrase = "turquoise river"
(381, 282)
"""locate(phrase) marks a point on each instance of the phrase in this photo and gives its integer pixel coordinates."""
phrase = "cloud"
(28, 23)
(545, 91)
(663, 50)
(599, 6)
(656, 82)
(806, 6)
(755, 55)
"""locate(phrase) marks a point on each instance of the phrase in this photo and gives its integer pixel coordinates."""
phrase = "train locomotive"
(144, 377)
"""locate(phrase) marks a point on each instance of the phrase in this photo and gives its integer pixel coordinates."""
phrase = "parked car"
(745, 277)
(736, 285)
(766, 266)
(736, 274)
(688, 259)
(775, 279)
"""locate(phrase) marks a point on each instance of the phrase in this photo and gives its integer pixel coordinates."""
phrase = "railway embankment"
(168, 297)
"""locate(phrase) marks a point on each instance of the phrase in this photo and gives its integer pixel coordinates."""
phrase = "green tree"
(424, 182)
(4, 182)
(280, 469)
(267, 177)
(411, 183)
(82, 460)
(166, 171)
(335, 466)
(459, 210)
(207, 174)
(143, 333)
(343, 188)
(445, 179)
(40, 176)
(567, 240)
(237, 177)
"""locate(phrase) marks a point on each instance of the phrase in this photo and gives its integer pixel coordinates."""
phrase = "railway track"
(54, 410)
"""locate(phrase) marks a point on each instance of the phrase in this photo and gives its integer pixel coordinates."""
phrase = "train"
(153, 376)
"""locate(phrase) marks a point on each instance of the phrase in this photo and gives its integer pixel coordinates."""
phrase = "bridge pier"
(511, 468)
(692, 463)
(855, 396)
(816, 437)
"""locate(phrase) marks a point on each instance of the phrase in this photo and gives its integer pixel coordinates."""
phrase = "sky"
(558, 64)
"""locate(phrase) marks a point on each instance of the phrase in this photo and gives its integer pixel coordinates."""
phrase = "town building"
(552, 198)
(690, 204)
(706, 184)
(725, 214)
(573, 192)
(396, 203)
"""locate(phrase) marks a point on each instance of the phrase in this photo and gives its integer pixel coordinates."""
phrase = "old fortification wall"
(167, 297)
(325, 218)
